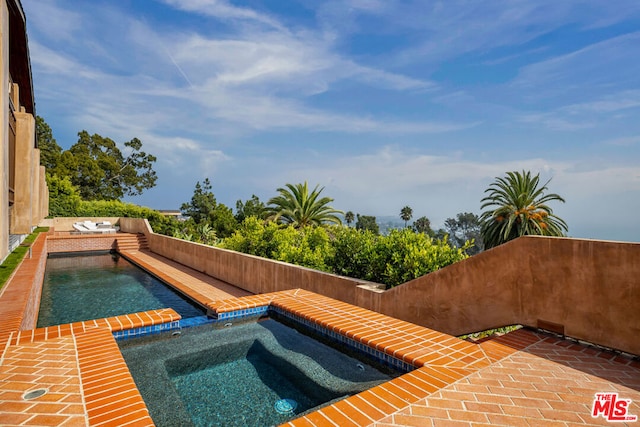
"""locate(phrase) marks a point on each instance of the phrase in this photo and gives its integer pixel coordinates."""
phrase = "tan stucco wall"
(4, 132)
(35, 186)
(44, 194)
(254, 274)
(21, 219)
(590, 288)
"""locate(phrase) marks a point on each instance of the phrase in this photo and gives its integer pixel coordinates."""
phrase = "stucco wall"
(588, 288)
(4, 131)
(22, 217)
(254, 274)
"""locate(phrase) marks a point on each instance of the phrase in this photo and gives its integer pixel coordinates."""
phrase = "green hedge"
(396, 258)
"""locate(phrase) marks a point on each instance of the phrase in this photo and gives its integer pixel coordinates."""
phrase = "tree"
(423, 225)
(367, 222)
(252, 207)
(203, 202)
(296, 206)
(465, 228)
(204, 209)
(64, 198)
(349, 217)
(222, 221)
(50, 151)
(517, 206)
(99, 169)
(406, 214)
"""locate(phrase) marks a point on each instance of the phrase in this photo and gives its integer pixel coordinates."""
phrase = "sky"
(382, 103)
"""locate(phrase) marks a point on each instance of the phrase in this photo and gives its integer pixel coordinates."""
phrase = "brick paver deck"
(523, 378)
(199, 286)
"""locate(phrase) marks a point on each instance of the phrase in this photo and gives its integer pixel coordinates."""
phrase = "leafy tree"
(50, 151)
(367, 222)
(406, 214)
(99, 169)
(423, 225)
(296, 206)
(306, 246)
(222, 220)
(406, 255)
(465, 228)
(64, 197)
(394, 259)
(204, 209)
(517, 206)
(203, 202)
(349, 217)
(252, 207)
(353, 252)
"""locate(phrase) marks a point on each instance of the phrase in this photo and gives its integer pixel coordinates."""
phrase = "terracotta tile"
(313, 419)
(499, 419)
(15, 419)
(75, 421)
(414, 386)
(483, 407)
(410, 420)
(381, 403)
(388, 394)
(46, 420)
(334, 416)
(366, 407)
(352, 413)
(422, 409)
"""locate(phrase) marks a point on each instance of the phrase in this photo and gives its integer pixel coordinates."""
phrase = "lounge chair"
(93, 227)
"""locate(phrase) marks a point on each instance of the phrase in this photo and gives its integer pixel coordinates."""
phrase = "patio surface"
(524, 378)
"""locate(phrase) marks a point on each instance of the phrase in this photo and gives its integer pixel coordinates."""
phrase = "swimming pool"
(251, 374)
(88, 286)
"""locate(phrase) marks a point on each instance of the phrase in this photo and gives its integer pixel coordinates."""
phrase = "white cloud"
(600, 66)
(625, 141)
(54, 22)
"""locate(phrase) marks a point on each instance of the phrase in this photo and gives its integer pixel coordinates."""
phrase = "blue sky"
(384, 103)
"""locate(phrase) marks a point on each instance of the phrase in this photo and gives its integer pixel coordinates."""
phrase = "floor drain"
(286, 406)
(34, 394)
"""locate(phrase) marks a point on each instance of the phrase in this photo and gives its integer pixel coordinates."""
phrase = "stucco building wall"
(4, 132)
(23, 194)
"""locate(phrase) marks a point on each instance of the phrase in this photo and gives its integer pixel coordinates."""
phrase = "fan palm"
(349, 217)
(296, 206)
(517, 206)
(406, 214)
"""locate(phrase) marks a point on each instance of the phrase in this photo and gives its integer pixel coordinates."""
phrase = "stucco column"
(44, 194)
(35, 187)
(21, 217)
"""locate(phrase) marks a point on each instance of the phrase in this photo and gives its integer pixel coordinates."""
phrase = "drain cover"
(286, 406)
(34, 394)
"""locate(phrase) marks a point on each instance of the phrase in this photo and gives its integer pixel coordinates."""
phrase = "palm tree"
(349, 217)
(406, 214)
(518, 207)
(296, 206)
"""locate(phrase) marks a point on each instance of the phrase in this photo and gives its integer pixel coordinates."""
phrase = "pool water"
(253, 374)
(84, 287)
